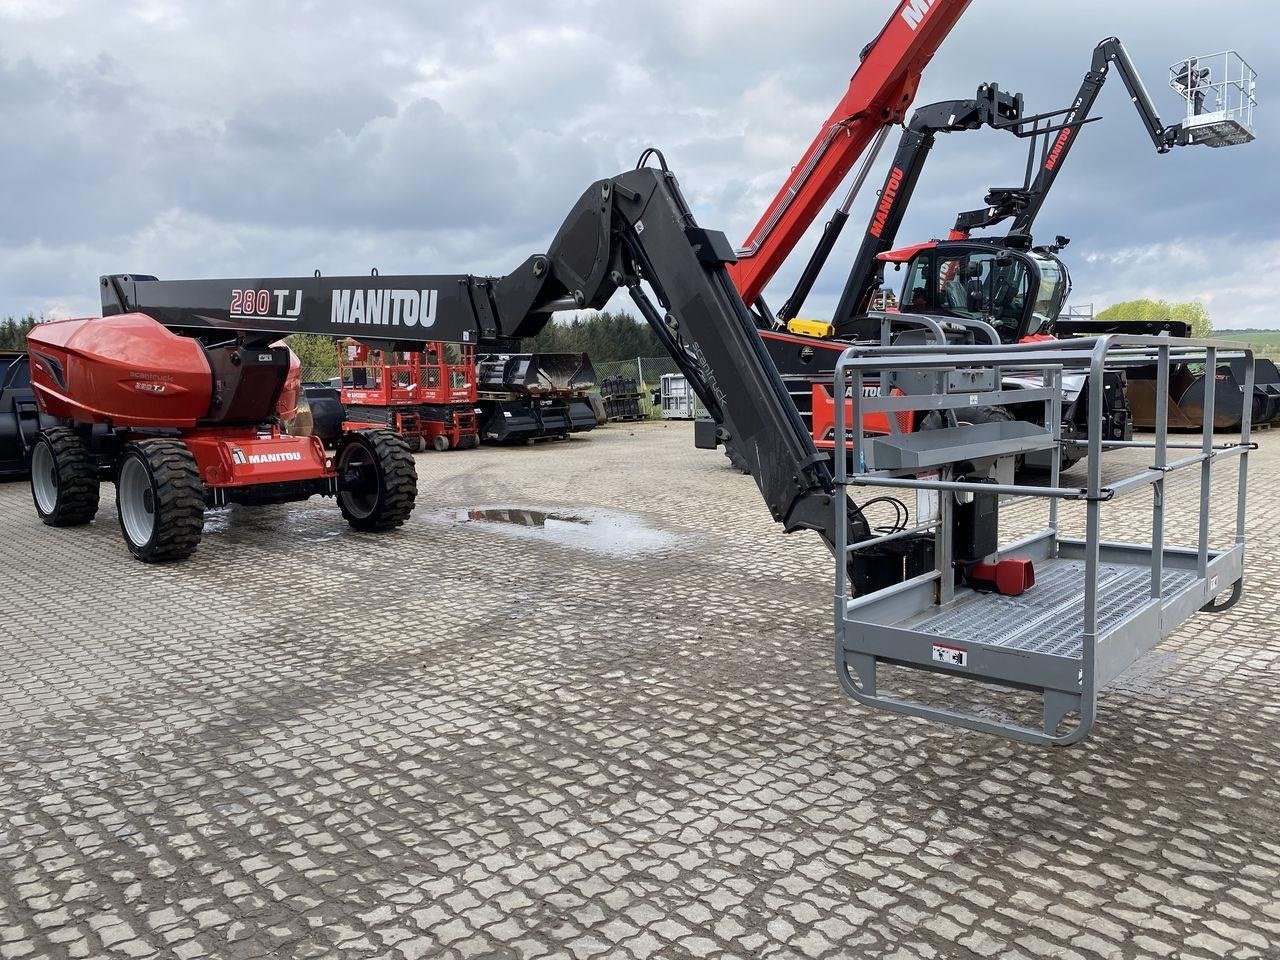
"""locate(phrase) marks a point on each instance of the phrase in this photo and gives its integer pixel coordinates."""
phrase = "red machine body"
(127, 370)
(133, 374)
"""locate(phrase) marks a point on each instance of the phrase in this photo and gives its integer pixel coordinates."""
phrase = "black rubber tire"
(389, 502)
(74, 478)
(176, 498)
(440, 443)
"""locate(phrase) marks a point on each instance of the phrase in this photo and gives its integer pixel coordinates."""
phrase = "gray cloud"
(230, 138)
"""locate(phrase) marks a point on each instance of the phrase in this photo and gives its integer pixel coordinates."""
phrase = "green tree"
(1192, 313)
(318, 354)
(13, 333)
(603, 336)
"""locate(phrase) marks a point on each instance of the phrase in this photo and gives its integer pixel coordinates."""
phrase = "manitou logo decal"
(887, 196)
(1058, 146)
(240, 459)
(283, 305)
(410, 308)
(915, 11)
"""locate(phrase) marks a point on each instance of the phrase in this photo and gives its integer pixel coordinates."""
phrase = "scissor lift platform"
(1096, 605)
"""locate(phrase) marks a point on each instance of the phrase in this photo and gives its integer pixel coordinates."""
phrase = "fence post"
(640, 373)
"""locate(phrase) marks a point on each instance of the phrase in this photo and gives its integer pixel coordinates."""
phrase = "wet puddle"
(298, 520)
(587, 528)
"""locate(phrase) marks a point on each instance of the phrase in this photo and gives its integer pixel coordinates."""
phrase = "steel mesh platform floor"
(1049, 618)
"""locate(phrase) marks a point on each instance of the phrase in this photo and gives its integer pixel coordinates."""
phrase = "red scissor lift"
(428, 397)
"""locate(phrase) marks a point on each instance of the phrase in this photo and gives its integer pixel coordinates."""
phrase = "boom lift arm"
(991, 106)
(629, 231)
(1023, 204)
(879, 94)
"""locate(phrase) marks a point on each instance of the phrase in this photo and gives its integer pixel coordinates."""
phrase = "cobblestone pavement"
(611, 739)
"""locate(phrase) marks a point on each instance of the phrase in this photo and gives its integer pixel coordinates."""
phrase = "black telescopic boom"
(635, 231)
(990, 107)
(1107, 53)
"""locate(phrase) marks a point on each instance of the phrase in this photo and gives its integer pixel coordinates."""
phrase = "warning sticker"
(951, 656)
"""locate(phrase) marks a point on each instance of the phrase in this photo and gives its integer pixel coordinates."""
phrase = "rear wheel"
(441, 443)
(159, 500)
(377, 480)
(64, 478)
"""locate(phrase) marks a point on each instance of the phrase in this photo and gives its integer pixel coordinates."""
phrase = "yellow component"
(811, 328)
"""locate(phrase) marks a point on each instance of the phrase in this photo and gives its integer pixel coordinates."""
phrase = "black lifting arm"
(633, 231)
(990, 107)
(1023, 204)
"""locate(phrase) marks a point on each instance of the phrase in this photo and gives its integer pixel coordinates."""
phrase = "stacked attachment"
(525, 397)
(622, 398)
(1093, 605)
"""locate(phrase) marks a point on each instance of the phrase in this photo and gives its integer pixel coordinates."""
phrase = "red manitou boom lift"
(879, 95)
(173, 393)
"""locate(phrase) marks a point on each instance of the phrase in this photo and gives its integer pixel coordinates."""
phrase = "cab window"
(915, 292)
(984, 286)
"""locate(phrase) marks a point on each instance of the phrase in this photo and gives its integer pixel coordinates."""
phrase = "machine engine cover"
(126, 369)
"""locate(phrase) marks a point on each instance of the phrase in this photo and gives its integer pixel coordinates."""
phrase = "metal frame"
(1221, 93)
(1123, 598)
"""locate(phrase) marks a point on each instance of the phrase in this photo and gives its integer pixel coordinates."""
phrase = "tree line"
(13, 333)
(603, 336)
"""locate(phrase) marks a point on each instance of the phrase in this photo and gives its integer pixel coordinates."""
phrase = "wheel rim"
(44, 478)
(137, 502)
(360, 500)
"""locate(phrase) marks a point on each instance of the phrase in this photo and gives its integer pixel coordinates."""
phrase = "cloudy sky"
(263, 137)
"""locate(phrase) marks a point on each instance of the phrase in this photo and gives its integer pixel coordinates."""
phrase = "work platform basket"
(1097, 603)
(1221, 94)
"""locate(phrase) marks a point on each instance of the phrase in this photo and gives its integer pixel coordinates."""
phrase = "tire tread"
(78, 486)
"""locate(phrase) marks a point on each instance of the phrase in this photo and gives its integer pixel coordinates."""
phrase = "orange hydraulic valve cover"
(126, 369)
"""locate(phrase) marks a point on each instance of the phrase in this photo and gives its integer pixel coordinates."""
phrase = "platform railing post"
(838, 501)
(1161, 461)
(1053, 417)
(1246, 428)
(1093, 516)
(1206, 466)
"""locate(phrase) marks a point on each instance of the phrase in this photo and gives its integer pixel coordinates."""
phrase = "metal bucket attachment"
(536, 372)
(1187, 392)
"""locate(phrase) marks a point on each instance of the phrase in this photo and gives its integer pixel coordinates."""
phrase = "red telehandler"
(1005, 287)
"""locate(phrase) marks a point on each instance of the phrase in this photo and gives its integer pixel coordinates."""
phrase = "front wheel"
(441, 443)
(159, 500)
(64, 478)
(377, 479)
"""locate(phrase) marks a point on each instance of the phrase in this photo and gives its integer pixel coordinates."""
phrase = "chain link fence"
(319, 372)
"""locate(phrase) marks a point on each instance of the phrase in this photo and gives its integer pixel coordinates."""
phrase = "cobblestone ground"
(616, 739)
